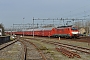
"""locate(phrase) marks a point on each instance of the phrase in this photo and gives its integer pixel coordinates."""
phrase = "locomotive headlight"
(74, 32)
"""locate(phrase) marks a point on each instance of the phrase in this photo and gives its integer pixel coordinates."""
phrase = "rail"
(81, 49)
(25, 49)
(7, 44)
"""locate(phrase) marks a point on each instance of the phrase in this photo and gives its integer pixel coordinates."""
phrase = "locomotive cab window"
(74, 28)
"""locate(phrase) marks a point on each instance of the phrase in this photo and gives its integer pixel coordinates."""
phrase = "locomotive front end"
(75, 32)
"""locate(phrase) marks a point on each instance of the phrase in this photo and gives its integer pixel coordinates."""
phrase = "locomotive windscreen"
(73, 28)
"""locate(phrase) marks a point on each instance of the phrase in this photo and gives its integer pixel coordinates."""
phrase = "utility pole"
(33, 27)
(11, 30)
(23, 27)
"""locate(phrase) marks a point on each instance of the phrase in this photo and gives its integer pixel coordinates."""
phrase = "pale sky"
(13, 11)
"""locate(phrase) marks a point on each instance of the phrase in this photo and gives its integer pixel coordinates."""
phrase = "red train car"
(63, 31)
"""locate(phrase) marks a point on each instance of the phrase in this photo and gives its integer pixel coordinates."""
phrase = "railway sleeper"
(68, 53)
(65, 53)
(73, 46)
(75, 54)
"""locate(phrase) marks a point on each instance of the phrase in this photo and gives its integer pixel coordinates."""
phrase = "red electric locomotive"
(63, 31)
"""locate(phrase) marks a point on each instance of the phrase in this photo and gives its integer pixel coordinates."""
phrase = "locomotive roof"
(64, 26)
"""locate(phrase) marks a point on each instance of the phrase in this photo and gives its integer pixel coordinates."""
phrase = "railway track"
(70, 51)
(31, 51)
(77, 48)
(11, 51)
(7, 44)
(80, 39)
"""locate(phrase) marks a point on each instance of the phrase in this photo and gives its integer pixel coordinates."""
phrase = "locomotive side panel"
(53, 32)
(63, 32)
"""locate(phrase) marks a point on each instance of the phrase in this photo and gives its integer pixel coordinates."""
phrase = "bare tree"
(78, 24)
(87, 26)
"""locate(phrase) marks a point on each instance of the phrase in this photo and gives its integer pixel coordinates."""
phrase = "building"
(0, 31)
